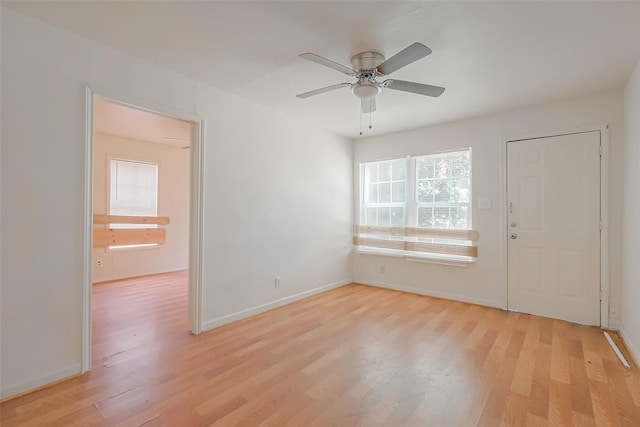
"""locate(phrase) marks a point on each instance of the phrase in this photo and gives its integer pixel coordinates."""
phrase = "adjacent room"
(320, 213)
(140, 253)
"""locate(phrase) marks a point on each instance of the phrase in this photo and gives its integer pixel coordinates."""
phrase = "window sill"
(431, 258)
(127, 248)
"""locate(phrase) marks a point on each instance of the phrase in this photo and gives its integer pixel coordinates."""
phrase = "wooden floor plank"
(351, 356)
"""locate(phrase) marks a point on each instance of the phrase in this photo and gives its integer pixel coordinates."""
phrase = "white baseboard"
(33, 383)
(219, 321)
(632, 346)
(117, 279)
(614, 324)
(445, 295)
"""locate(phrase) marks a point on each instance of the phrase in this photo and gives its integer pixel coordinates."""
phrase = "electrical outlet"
(99, 263)
(276, 281)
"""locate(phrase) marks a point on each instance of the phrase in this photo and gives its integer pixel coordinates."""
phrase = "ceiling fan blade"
(404, 57)
(368, 105)
(413, 87)
(328, 63)
(322, 90)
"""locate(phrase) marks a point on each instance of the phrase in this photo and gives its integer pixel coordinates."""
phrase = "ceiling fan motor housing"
(367, 61)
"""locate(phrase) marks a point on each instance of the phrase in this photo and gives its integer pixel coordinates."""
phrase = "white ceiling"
(491, 56)
(133, 123)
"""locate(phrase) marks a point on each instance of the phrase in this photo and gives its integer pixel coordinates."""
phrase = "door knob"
(513, 236)
(513, 224)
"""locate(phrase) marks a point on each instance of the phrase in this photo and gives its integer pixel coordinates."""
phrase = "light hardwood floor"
(353, 356)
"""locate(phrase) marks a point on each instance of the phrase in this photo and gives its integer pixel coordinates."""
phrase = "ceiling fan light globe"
(365, 90)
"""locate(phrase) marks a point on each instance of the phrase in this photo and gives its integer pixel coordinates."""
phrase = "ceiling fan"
(367, 67)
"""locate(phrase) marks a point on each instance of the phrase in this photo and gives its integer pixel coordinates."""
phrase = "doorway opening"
(142, 225)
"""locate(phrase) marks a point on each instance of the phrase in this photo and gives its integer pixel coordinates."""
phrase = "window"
(385, 192)
(443, 184)
(406, 202)
(133, 191)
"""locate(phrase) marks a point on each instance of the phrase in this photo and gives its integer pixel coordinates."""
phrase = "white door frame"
(195, 213)
(604, 208)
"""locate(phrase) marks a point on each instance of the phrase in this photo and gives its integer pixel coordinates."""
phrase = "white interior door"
(553, 190)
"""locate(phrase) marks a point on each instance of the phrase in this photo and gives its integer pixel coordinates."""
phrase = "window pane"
(460, 164)
(425, 191)
(441, 218)
(459, 216)
(397, 217)
(443, 191)
(443, 169)
(372, 216)
(425, 167)
(397, 192)
(383, 216)
(371, 193)
(371, 172)
(399, 170)
(384, 171)
(385, 192)
(462, 186)
(425, 217)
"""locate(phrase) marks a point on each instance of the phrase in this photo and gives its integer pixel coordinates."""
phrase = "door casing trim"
(196, 214)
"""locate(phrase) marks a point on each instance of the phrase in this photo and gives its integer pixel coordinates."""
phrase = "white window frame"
(411, 206)
(363, 205)
(415, 205)
(132, 159)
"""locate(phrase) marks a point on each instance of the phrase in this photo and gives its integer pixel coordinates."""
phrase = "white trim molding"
(87, 241)
(628, 342)
(35, 383)
(222, 320)
(196, 223)
(443, 295)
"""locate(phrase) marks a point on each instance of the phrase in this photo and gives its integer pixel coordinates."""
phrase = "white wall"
(277, 194)
(630, 321)
(173, 201)
(484, 282)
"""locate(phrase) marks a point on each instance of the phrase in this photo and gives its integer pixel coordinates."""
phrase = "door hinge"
(601, 151)
(600, 225)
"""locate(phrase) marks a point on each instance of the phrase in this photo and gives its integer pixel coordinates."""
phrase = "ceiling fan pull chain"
(360, 122)
(370, 110)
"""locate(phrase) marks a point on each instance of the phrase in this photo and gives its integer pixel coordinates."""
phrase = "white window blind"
(133, 191)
